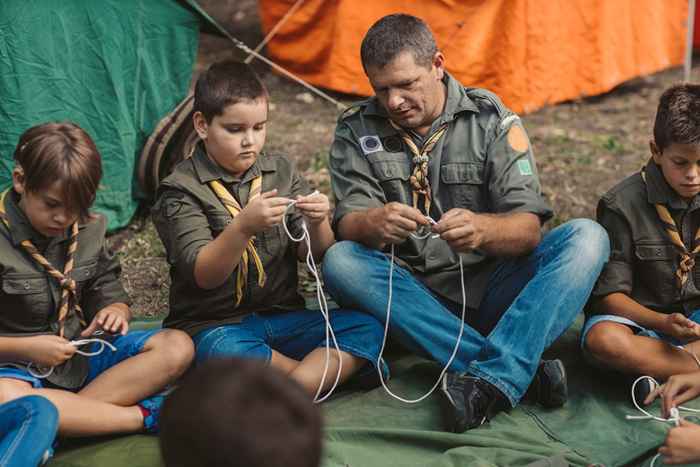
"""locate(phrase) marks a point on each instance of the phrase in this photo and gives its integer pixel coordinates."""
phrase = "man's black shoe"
(468, 402)
(548, 387)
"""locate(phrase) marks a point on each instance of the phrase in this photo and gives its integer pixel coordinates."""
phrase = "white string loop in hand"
(388, 316)
(322, 303)
(76, 343)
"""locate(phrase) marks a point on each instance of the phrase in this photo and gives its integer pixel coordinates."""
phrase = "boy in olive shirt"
(233, 268)
(648, 295)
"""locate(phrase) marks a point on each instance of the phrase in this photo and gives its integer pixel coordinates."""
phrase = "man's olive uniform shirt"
(189, 215)
(643, 261)
(473, 166)
(29, 298)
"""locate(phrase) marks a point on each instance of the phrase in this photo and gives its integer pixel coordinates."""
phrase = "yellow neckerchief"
(420, 183)
(234, 208)
(69, 298)
(687, 261)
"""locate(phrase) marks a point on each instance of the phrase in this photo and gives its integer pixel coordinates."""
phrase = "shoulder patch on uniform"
(517, 139)
(172, 204)
(370, 144)
(349, 112)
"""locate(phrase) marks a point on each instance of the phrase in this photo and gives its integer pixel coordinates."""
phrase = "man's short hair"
(233, 412)
(394, 34)
(226, 83)
(678, 116)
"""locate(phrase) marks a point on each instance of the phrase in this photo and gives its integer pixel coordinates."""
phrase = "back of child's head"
(226, 83)
(678, 116)
(60, 153)
(233, 412)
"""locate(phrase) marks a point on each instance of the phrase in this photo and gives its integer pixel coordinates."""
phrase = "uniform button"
(431, 257)
(26, 285)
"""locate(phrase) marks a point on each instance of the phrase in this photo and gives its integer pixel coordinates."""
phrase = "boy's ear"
(200, 124)
(18, 179)
(655, 153)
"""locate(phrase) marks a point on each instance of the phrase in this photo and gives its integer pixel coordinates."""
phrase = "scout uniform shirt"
(189, 215)
(643, 260)
(482, 163)
(29, 297)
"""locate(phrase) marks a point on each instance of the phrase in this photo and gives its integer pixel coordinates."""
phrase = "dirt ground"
(582, 147)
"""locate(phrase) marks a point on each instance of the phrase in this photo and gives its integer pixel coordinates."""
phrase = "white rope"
(322, 303)
(76, 343)
(674, 418)
(388, 316)
(274, 30)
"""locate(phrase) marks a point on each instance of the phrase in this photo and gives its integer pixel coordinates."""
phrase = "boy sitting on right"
(647, 299)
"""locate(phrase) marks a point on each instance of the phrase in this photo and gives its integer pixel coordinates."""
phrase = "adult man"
(426, 146)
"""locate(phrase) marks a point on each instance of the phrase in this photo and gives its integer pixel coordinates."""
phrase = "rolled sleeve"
(105, 288)
(184, 229)
(617, 274)
(514, 185)
(354, 186)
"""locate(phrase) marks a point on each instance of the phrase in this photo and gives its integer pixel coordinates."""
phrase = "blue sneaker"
(152, 407)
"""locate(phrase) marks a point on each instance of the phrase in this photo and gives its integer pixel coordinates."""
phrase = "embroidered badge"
(370, 144)
(524, 167)
(517, 139)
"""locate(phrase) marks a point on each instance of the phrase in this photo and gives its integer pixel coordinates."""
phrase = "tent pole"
(274, 30)
(689, 42)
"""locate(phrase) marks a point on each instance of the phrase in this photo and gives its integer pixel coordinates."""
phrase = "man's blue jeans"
(536, 297)
(28, 426)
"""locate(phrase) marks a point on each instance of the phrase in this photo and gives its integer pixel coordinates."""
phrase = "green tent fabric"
(370, 429)
(114, 67)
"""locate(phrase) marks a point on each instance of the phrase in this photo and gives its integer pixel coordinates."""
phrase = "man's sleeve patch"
(517, 139)
(524, 167)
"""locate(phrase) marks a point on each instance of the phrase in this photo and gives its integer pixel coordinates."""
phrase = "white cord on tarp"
(322, 303)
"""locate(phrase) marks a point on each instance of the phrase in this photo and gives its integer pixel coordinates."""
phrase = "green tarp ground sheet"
(114, 67)
(370, 429)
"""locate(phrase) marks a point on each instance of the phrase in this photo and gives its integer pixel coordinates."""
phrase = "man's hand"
(314, 208)
(682, 445)
(263, 212)
(113, 319)
(677, 390)
(47, 350)
(678, 326)
(461, 229)
(395, 222)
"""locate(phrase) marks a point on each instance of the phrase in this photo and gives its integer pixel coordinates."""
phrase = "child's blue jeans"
(294, 334)
(28, 426)
(529, 302)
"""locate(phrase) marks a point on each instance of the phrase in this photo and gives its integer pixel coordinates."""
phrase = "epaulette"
(350, 111)
(486, 100)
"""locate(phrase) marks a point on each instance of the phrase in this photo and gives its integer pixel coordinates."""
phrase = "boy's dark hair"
(64, 153)
(224, 84)
(394, 34)
(678, 116)
(233, 412)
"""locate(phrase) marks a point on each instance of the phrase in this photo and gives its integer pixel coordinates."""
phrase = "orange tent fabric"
(530, 52)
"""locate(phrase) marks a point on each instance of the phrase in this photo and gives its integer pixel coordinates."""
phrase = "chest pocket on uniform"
(26, 302)
(464, 184)
(83, 272)
(392, 171)
(657, 271)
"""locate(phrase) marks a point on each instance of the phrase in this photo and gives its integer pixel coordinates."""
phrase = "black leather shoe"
(548, 387)
(468, 402)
